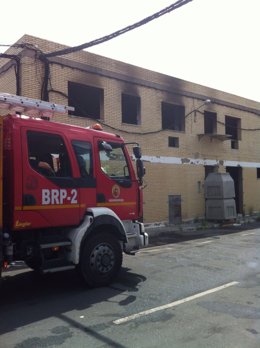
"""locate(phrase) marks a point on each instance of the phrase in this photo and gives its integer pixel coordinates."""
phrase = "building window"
(258, 173)
(233, 129)
(173, 142)
(173, 117)
(210, 122)
(130, 109)
(88, 101)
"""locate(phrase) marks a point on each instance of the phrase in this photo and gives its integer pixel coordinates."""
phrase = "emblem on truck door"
(116, 191)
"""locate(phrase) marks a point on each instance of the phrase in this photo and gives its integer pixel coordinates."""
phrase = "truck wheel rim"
(102, 258)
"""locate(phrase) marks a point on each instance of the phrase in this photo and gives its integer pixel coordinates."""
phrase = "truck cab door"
(117, 187)
(50, 197)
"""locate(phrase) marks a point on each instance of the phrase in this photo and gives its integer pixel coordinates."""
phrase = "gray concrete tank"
(219, 195)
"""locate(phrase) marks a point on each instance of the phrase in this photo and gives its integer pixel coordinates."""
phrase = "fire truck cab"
(70, 197)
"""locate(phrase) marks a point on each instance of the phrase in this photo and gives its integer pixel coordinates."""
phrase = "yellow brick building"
(183, 136)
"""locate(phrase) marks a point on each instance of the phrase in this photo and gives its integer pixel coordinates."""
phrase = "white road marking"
(206, 242)
(173, 304)
(161, 248)
(248, 234)
(152, 250)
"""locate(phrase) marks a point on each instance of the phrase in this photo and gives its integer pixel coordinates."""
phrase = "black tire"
(100, 260)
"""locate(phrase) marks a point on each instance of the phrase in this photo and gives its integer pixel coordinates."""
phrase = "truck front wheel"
(101, 259)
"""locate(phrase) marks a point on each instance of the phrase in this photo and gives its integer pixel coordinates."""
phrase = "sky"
(210, 42)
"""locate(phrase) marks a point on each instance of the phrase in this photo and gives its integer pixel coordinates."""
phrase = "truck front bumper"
(137, 238)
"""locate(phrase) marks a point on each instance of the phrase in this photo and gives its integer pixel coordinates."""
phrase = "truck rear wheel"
(101, 259)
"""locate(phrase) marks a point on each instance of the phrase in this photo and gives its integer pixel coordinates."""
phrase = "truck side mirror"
(140, 169)
(137, 152)
(105, 146)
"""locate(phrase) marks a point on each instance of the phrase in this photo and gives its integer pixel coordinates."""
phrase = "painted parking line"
(173, 304)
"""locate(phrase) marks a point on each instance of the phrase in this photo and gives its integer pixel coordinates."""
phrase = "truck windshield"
(112, 160)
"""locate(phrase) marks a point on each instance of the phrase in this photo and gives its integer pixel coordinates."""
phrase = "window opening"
(83, 152)
(210, 122)
(173, 142)
(113, 161)
(130, 109)
(258, 173)
(88, 101)
(47, 154)
(173, 117)
(233, 128)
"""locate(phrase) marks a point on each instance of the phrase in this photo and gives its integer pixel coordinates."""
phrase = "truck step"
(58, 269)
(55, 244)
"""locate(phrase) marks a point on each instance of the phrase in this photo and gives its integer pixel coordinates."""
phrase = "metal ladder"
(31, 107)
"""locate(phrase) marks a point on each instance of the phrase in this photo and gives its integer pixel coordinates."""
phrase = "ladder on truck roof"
(31, 107)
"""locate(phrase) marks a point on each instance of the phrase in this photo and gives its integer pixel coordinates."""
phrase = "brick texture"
(170, 170)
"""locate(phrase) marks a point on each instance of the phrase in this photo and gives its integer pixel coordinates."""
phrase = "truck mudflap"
(137, 238)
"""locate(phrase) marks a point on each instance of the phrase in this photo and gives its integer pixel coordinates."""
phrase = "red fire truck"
(69, 196)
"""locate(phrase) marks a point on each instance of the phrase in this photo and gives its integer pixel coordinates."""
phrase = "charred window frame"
(233, 129)
(173, 142)
(210, 122)
(131, 106)
(173, 117)
(88, 101)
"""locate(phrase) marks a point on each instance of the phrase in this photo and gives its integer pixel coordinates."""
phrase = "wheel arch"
(106, 223)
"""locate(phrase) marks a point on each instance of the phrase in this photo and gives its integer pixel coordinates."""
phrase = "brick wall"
(170, 170)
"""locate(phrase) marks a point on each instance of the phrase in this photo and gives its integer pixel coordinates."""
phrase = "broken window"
(173, 142)
(233, 129)
(173, 117)
(210, 122)
(130, 109)
(88, 101)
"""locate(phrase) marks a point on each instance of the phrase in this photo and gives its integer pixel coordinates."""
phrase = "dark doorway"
(236, 175)
(210, 122)
(174, 209)
(208, 170)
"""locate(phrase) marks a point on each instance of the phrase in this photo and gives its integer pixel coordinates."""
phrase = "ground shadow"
(27, 298)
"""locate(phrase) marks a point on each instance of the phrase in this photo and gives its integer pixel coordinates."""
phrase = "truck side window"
(112, 160)
(47, 154)
(83, 153)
